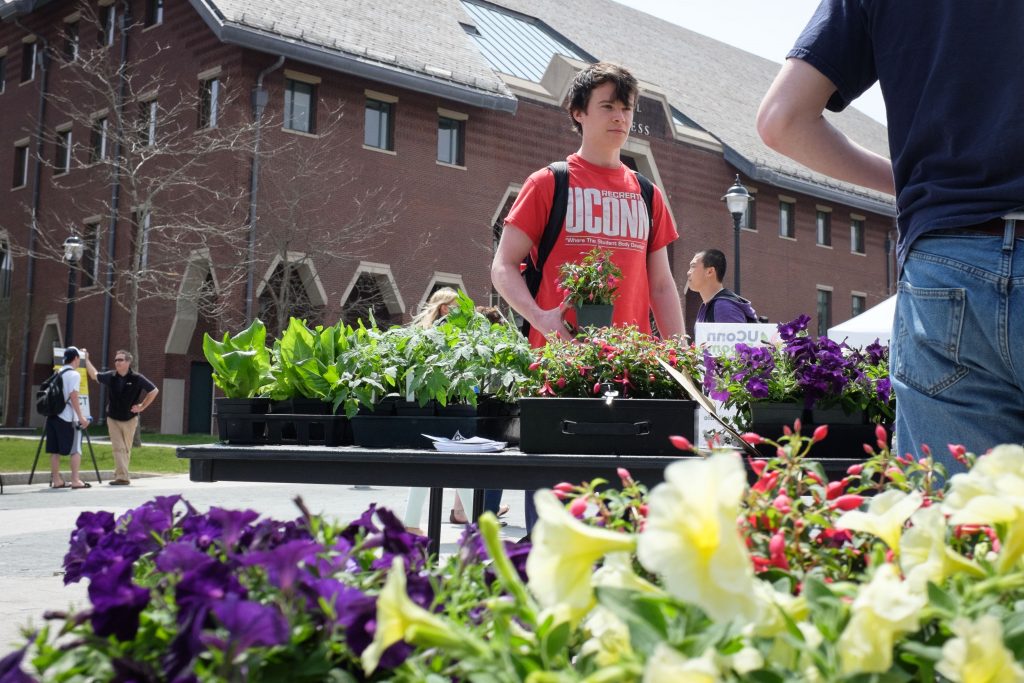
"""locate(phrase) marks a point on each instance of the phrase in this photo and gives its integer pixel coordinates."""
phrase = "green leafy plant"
(594, 280)
(241, 363)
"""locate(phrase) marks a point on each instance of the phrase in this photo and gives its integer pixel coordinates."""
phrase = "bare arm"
(790, 121)
(89, 367)
(505, 275)
(146, 400)
(668, 311)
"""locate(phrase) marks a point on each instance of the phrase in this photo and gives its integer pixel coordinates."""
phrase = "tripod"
(92, 453)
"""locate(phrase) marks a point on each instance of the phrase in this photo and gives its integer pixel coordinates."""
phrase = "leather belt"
(996, 226)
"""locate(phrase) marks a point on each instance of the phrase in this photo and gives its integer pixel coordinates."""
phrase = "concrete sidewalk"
(36, 523)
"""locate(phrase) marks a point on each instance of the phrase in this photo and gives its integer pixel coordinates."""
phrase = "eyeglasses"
(120, 360)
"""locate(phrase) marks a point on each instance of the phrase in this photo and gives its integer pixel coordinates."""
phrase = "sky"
(766, 28)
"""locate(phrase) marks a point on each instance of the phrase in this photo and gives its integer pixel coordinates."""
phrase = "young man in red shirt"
(605, 209)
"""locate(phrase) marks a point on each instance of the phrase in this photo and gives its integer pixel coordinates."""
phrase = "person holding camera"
(64, 430)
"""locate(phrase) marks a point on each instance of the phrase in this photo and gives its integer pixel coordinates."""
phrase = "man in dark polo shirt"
(128, 394)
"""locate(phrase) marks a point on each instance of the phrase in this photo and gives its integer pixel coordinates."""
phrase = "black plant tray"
(309, 430)
(591, 426)
(242, 429)
(395, 431)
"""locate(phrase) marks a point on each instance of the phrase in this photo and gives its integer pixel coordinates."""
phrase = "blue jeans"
(957, 362)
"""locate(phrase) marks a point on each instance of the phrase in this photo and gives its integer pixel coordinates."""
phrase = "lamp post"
(736, 200)
(73, 248)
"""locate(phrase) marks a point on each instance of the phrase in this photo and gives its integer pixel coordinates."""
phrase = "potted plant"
(591, 287)
(241, 368)
(818, 380)
(606, 393)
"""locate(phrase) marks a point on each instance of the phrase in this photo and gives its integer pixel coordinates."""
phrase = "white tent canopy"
(874, 323)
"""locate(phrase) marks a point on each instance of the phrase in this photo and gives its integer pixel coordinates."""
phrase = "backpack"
(748, 310)
(532, 271)
(50, 399)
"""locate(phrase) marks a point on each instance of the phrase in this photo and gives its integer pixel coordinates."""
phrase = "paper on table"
(460, 444)
(683, 377)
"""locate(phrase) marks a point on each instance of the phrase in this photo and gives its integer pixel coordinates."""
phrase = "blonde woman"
(437, 306)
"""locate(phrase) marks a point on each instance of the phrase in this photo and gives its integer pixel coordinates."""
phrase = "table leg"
(478, 504)
(434, 519)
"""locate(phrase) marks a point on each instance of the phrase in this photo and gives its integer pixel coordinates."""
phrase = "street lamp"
(736, 200)
(73, 248)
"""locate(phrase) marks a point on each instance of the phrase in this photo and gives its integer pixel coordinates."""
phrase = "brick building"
(403, 131)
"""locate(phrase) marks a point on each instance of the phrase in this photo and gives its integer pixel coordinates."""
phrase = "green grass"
(178, 439)
(16, 455)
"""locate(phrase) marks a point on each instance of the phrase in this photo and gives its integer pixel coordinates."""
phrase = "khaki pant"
(122, 433)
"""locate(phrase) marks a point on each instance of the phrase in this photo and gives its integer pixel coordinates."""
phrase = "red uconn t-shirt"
(605, 210)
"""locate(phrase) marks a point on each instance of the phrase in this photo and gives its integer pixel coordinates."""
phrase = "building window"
(857, 235)
(6, 266)
(62, 152)
(787, 219)
(823, 221)
(147, 123)
(154, 12)
(209, 96)
(98, 141)
(3, 73)
(71, 41)
(858, 304)
(90, 262)
(750, 217)
(299, 106)
(380, 125)
(20, 178)
(143, 221)
(28, 62)
(451, 135)
(108, 20)
(824, 311)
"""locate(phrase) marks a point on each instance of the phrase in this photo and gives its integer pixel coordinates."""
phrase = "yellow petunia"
(398, 616)
(883, 610)
(924, 554)
(565, 550)
(668, 665)
(692, 541)
(993, 493)
(978, 654)
(886, 514)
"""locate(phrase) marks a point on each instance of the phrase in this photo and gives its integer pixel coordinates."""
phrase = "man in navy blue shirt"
(951, 78)
(718, 303)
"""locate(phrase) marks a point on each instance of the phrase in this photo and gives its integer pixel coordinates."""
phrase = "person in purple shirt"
(719, 305)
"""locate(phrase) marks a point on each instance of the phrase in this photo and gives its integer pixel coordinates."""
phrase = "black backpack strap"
(534, 272)
(60, 378)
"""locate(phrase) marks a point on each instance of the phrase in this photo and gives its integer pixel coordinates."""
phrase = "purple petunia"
(249, 624)
(116, 602)
(10, 668)
(283, 563)
(232, 523)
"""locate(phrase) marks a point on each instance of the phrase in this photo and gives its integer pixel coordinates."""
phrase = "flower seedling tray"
(593, 426)
(309, 430)
(847, 433)
(395, 431)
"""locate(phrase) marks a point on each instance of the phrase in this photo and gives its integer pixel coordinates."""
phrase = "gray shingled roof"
(420, 41)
